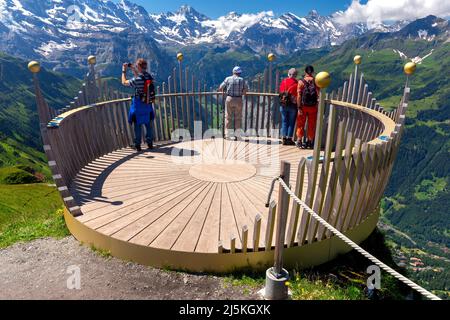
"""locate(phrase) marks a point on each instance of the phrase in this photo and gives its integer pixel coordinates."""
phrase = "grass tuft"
(101, 252)
(29, 212)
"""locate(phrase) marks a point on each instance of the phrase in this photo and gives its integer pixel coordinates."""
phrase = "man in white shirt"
(235, 87)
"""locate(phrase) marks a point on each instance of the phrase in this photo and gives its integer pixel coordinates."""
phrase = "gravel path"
(38, 270)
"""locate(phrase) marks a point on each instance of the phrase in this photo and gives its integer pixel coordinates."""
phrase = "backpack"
(285, 98)
(148, 95)
(309, 93)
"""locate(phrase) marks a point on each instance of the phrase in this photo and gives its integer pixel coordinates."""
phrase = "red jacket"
(289, 85)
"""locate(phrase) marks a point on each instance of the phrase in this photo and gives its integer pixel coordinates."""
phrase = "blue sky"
(214, 9)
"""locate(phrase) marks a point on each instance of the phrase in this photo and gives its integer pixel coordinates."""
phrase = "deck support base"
(276, 288)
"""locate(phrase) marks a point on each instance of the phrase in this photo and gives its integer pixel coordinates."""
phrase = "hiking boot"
(284, 141)
(150, 145)
(138, 148)
(290, 142)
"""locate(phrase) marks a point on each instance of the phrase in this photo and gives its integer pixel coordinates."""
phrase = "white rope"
(366, 254)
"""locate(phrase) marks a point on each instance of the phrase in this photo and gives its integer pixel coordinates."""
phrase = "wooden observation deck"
(197, 201)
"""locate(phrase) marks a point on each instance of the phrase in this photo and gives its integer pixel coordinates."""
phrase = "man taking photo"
(141, 110)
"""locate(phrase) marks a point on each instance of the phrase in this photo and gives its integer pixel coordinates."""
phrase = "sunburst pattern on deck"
(184, 197)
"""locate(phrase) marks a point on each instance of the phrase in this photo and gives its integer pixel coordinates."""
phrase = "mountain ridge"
(51, 28)
(62, 33)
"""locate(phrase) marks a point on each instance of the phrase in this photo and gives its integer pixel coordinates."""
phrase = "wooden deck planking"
(252, 208)
(228, 225)
(209, 234)
(126, 196)
(140, 231)
(127, 214)
(169, 236)
(238, 210)
(151, 200)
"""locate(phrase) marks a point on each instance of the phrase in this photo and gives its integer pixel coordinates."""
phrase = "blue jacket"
(140, 112)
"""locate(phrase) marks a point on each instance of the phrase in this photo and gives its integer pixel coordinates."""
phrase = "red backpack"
(149, 90)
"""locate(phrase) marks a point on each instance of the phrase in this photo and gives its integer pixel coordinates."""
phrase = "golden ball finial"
(271, 57)
(92, 60)
(180, 56)
(410, 68)
(357, 59)
(34, 66)
(323, 79)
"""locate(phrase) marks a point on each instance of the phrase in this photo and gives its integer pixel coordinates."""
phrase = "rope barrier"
(272, 186)
(356, 247)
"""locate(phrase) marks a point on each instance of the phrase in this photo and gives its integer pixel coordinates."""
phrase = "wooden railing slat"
(270, 227)
(325, 172)
(313, 166)
(256, 233)
(295, 211)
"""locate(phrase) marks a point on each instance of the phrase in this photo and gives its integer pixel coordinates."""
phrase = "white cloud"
(376, 11)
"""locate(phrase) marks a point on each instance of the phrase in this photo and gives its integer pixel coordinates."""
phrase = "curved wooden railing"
(351, 123)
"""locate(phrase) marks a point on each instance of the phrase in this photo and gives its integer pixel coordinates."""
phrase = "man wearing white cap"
(235, 87)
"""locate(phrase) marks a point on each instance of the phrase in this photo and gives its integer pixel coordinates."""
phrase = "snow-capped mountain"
(394, 27)
(289, 33)
(49, 28)
(63, 32)
(429, 28)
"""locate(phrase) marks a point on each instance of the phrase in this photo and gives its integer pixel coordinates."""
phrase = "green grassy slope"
(29, 212)
(19, 126)
(344, 278)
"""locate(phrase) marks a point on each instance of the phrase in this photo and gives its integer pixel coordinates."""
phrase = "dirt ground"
(39, 270)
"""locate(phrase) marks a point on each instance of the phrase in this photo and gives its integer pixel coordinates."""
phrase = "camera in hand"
(129, 65)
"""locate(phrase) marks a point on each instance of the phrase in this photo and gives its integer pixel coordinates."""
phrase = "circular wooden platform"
(184, 197)
(171, 206)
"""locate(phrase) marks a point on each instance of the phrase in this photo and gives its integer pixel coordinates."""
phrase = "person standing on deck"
(288, 108)
(307, 102)
(235, 87)
(141, 110)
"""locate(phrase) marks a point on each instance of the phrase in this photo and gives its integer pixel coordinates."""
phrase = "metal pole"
(270, 76)
(355, 82)
(183, 115)
(92, 86)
